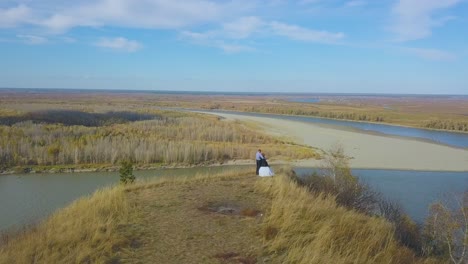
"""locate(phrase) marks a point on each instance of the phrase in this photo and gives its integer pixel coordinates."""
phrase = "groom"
(259, 157)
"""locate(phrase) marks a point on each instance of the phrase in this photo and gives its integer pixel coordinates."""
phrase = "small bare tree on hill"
(446, 230)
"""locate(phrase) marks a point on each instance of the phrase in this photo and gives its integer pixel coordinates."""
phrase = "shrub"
(126, 172)
(406, 230)
(337, 180)
(446, 230)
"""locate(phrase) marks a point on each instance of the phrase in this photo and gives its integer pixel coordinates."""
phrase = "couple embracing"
(263, 169)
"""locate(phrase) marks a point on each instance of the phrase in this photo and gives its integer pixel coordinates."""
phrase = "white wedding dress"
(265, 172)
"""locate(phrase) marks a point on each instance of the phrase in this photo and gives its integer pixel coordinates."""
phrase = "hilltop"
(225, 218)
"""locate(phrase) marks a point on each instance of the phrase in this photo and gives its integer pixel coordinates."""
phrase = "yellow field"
(446, 113)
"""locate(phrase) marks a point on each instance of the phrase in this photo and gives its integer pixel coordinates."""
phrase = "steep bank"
(231, 217)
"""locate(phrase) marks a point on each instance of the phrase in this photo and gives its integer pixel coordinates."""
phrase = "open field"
(58, 136)
(434, 112)
(99, 137)
(228, 218)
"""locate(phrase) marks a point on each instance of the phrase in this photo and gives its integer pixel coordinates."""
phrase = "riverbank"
(109, 167)
(367, 151)
(20, 170)
(232, 217)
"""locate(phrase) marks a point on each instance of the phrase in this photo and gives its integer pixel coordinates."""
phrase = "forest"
(47, 138)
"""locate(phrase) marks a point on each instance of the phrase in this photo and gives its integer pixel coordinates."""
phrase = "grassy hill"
(225, 218)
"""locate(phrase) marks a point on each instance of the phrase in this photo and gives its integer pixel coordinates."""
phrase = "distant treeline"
(71, 117)
(169, 139)
(448, 125)
(369, 117)
(445, 124)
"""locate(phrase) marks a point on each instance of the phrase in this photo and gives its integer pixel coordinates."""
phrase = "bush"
(406, 230)
(338, 180)
(126, 172)
(446, 230)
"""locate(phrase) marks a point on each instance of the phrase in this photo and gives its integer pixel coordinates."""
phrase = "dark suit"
(259, 164)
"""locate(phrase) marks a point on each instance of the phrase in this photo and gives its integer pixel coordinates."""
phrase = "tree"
(54, 152)
(338, 180)
(446, 230)
(126, 172)
(336, 165)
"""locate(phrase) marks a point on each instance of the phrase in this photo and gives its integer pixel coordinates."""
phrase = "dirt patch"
(229, 208)
(216, 221)
(250, 212)
(270, 232)
(226, 208)
(233, 257)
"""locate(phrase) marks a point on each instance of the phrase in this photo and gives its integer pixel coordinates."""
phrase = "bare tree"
(446, 229)
(336, 164)
(347, 188)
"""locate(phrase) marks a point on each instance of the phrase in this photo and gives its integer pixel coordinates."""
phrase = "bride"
(265, 169)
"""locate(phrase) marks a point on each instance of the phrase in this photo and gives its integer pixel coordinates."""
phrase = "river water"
(454, 139)
(413, 190)
(28, 198)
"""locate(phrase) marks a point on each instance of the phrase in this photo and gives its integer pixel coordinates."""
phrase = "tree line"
(73, 117)
(447, 125)
(167, 139)
(443, 124)
(369, 117)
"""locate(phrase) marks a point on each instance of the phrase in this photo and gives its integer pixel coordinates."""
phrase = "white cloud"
(226, 36)
(243, 27)
(214, 39)
(154, 14)
(32, 40)
(414, 19)
(431, 54)
(234, 48)
(254, 27)
(305, 34)
(230, 26)
(197, 36)
(119, 44)
(14, 16)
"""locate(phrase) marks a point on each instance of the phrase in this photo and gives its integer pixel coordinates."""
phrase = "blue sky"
(363, 46)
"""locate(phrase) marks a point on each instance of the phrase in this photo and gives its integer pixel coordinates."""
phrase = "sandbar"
(366, 151)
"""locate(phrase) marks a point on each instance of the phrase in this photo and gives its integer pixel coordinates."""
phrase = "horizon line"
(292, 93)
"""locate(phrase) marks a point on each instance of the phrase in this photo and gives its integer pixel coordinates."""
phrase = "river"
(29, 198)
(454, 139)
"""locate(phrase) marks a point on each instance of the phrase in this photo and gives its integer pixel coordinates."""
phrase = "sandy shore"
(366, 150)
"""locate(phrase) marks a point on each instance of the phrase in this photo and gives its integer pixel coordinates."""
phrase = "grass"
(306, 228)
(233, 217)
(202, 220)
(87, 231)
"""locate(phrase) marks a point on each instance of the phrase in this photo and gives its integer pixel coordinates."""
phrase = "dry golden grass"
(205, 220)
(84, 232)
(233, 217)
(303, 228)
